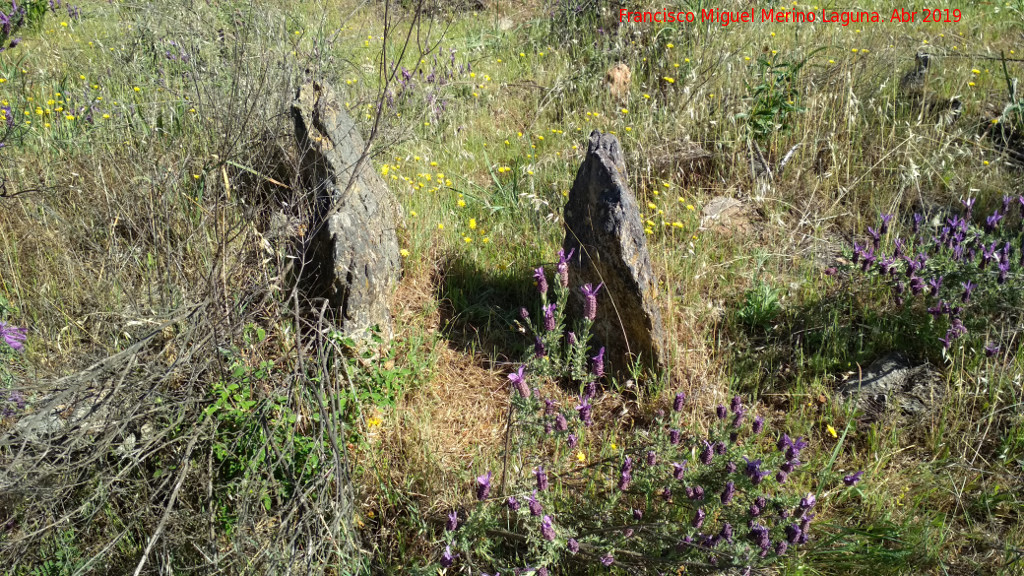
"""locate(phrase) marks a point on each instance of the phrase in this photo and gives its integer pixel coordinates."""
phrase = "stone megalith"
(603, 228)
(354, 260)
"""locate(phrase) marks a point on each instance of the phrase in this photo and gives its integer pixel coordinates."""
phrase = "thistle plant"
(711, 493)
(963, 268)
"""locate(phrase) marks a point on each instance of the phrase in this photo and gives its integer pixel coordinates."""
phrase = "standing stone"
(603, 226)
(355, 261)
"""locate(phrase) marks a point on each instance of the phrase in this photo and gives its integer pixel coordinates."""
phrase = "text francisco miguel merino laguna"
(845, 18)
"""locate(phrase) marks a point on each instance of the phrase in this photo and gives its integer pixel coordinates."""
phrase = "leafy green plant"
(650, 499)
(774, 97)
(760, 307)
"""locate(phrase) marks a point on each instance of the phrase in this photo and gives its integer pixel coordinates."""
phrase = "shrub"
(659, 496)
(959, 268)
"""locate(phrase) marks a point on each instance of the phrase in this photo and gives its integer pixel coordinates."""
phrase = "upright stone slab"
(603, 226)
(355, 260)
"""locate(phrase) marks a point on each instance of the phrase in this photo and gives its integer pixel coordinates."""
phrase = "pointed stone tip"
(607, 142)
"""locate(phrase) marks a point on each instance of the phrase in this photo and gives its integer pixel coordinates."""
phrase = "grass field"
(148, 164)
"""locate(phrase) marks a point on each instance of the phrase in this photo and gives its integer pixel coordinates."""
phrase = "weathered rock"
(681, 160)
(618, 79)
(892, 383)
(603, 227)
(355, 260)
(725, 215)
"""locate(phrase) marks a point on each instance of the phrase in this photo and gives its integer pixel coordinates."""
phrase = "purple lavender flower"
(524, 313)
(584, 410)
(674, 436)
(781, 547)
(991, 349)
(695, 493)
(884, 229)
(542, 478)
(538, 348)
(589, 390)
(678, 470)
(652, 458)
(781, 476)
(549, 317)
(737, 420)
(571, 337)
(677, 404)
(698, 518)
(792, 533)
(561, 424)
(598, 363)
(736, 404)
(542, 280)
(453, 521)
(755, 510)
(483, 486)
(852, 479)
(590, 300)
(730, 468)
(993, 221)
(760, 536)
(519, 383)
(707, 454)
(758, 425)
(719, 448)
(807, 502)
(916, 285)
(917, 222)
(563, 267)
(608, 559)
(447, 559)
(534, 505)
(876, 237)
(729, 492)
(968, 288)
(573, 545)
(721, 412)
(794, 448)
(968, 204)
(512, 503)
(935, 284)
(627, 474)
(638, 514)
(572, 440)
(546, 529)
(13, 336)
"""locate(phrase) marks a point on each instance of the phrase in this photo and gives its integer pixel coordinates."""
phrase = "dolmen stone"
(606, 237)
(354, 259)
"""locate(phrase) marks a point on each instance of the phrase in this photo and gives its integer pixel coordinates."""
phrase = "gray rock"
(355, 260)
(603, 226)
(892, 383)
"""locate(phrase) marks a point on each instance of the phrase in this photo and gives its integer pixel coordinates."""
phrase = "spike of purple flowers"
(563, 267)
(549, 317)
(453, 521)
(590, 300)
(519, 382)
(728, 492)
(968, 288)
(884, 229)
(483, 486)
(534, 505)
(546, 529)
(13, 336)
(542, 281)
(852, 479)
(677, 404)
(598, 363)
